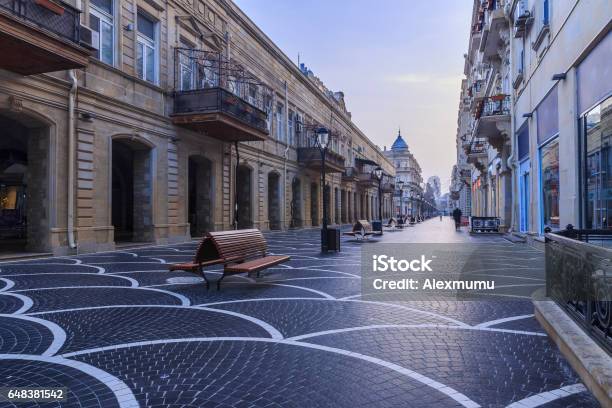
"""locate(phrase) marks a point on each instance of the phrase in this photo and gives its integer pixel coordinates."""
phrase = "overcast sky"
(398, 62)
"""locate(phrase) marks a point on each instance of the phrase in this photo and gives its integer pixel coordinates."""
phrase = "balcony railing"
(212, 100)
(579, 278)
(64, 22)
(311, 157)
(350, 174)
(498, 105)
(219, 97)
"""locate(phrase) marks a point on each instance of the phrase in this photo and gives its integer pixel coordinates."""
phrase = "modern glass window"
(525, 193)
(597, 130)
(549, 179)
(146, 48)
(101, 22)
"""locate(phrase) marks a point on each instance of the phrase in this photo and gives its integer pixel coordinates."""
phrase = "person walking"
(457, 217)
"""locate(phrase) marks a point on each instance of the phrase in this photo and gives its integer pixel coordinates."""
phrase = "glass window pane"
(106, 43)
(146, 26)
(549, 155)
(104, 5)
(140, 59)
(94, 24)
(150, 64)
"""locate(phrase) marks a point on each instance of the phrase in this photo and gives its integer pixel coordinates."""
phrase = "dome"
(399, 143)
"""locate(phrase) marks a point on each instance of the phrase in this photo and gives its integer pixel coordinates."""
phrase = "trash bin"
(333, 239)
(376, 226)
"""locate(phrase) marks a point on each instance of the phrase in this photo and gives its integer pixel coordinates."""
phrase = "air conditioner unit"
(88, 37)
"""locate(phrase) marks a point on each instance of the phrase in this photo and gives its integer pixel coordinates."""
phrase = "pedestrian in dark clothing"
(457, 217)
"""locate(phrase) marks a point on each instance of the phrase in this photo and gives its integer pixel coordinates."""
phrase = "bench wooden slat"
(257, 265)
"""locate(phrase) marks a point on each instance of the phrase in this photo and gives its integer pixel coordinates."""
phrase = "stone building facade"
(537, 89)
(186, 118)
(408, 193)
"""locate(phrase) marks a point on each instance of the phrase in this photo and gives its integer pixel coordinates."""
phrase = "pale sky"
(398, 62)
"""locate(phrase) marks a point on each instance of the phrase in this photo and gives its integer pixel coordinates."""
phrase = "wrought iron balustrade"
(579, 278)
(64, 23)
(496, 105)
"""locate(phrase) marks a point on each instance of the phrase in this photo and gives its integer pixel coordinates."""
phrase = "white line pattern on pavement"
(124, 395)
(448, 391)
(59, 335)
(548, 396)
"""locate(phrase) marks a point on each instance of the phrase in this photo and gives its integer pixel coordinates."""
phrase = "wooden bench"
(240, 251)
(362, 229)
(392, 224)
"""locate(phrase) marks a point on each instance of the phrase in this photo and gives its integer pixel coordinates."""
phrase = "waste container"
(376, 226)
(333, 239)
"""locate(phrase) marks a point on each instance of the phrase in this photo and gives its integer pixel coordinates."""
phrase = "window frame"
(109, 19)
(152, 44)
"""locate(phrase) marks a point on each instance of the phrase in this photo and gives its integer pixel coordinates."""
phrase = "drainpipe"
(286, 154)
(71, 156)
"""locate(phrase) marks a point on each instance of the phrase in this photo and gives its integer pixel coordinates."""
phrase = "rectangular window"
(597, 131)
(549, 179)
(291, 128)
(280, 128)
(546, 12)
(146, 48)
(101, 22)
(186, 67)
(522, 140)
(548, 116)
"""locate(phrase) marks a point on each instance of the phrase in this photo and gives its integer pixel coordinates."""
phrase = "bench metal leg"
(205, 279)
(219, 281)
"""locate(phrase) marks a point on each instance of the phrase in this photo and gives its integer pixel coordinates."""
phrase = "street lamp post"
(378, 172)
(322, 141)
(400, 187)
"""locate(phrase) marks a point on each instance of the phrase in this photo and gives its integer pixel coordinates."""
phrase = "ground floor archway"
(132, 191)
(24, 184)
(200, 193)
(296, 203)
(274, 201)
(314, 204)
(244, 189)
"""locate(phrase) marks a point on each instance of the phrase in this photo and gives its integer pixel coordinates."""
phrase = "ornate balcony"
(220, 114)
(310, 157)
(218, 98)
(495, 23)
(350, 175)
(38, 36)
(493, 120)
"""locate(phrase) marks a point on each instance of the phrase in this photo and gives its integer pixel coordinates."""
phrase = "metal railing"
(495, 106)
(579, 279)
(220, 100)
(64, 24)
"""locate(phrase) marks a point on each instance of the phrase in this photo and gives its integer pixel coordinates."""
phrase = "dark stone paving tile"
(47, 268)
(56, 299)
(528, 324)
(472, 312)
(336, 288)
(132, 266)
(491, 368)
(9, 304)
(234, 290)
(18, 336)
(235, 374)
(580, 400)
(103, 327)
(51, 280)
(297, 317)
(83, 390)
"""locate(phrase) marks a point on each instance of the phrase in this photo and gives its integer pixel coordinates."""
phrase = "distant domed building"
(408, 175)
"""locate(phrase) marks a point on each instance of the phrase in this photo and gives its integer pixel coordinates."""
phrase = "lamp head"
(378, 172)
(322, 137)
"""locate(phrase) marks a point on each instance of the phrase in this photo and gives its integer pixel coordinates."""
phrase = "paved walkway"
(118, 329)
